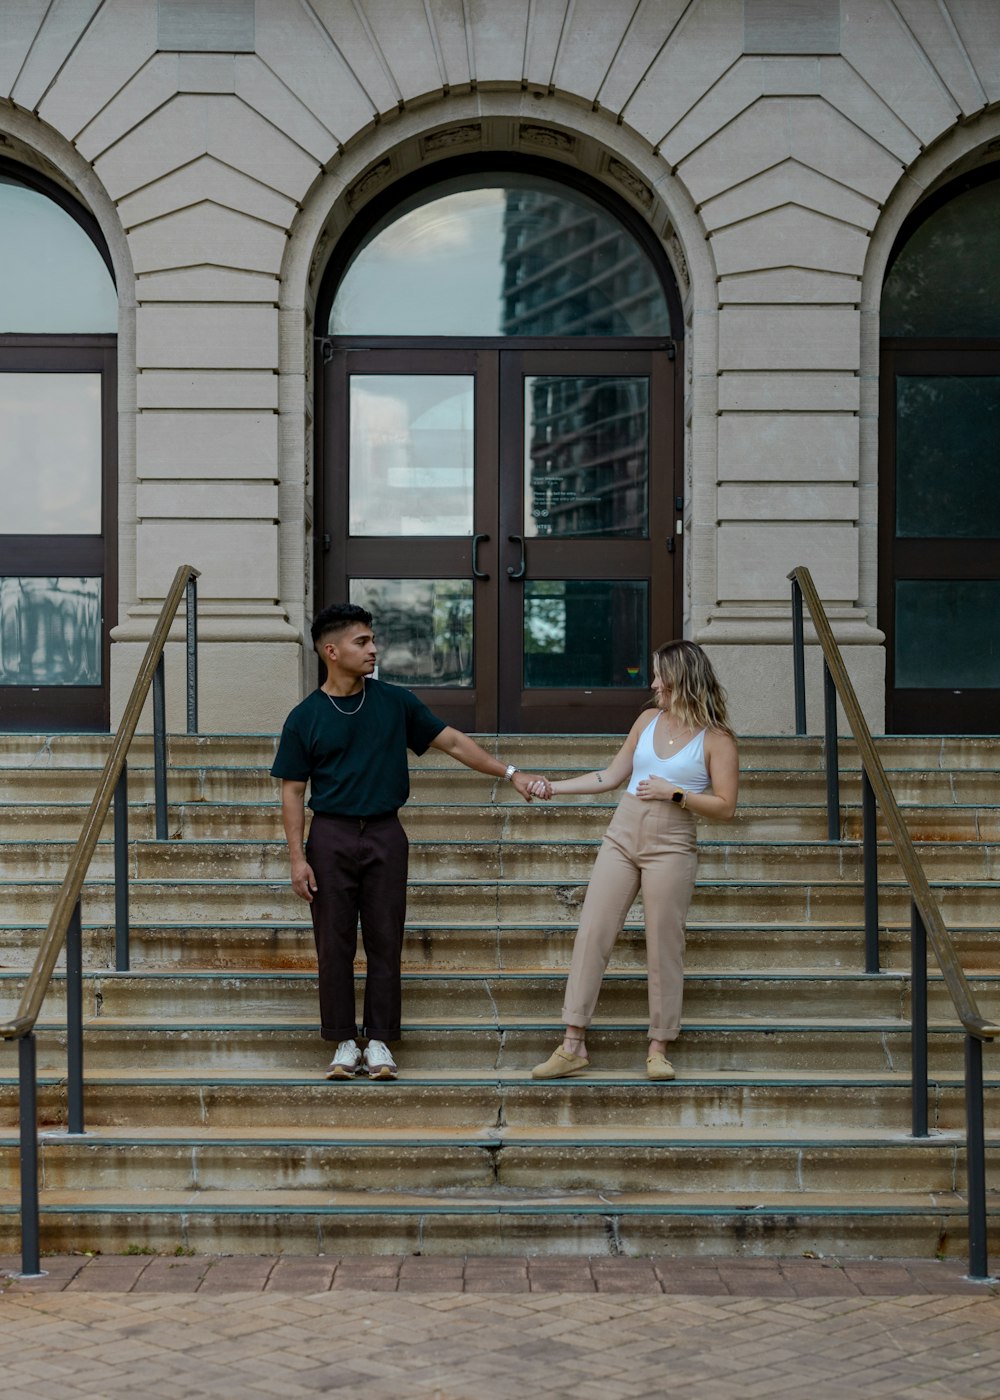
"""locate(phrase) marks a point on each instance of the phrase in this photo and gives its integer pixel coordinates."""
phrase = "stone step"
(456, 784)
(508, 901)
(487, 948)
(257, 750)
(467, 858)
(708, 1045)
(261, 821)
(596, 1223)
(779, 1101)
(493, 1160)
(211, 1122)
(488, 997)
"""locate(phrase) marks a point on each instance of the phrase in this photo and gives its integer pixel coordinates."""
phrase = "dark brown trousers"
(360, 867)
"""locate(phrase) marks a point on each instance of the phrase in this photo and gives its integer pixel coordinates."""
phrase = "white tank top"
(685, 768)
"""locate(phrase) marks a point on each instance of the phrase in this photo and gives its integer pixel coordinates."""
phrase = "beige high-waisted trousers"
(649, 846)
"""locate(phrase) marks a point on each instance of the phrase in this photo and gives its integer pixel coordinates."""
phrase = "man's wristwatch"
(509, 772)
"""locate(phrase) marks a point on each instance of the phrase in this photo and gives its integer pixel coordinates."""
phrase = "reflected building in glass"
(570, 271)
(50, 631)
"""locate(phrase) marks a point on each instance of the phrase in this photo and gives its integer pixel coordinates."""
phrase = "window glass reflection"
(52, 278)
(500, 255)
(586, 456)
(50, 454)
(585, 633)
(946, 280)
(944, 634)
(948, 456)
(50, 631)
(412, 445)
(423, 628)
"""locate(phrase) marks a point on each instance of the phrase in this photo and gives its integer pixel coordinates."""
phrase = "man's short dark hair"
(338, 616)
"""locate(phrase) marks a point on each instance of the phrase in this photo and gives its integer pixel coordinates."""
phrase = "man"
(348, 740)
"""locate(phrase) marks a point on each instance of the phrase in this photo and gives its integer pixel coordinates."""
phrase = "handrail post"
(74, 1022)
(870, 838)
(191, 638)
(975, 1159)
(918, 1018)
(121, 872)
(27, 1066)
(798, 658)
(160, 750)
(832, 758)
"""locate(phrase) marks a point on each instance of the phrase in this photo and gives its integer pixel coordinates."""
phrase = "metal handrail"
(926, 918)
(72, 885)
(941, 941)
(64, 926)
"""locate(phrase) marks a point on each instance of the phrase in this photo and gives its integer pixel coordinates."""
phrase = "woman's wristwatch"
(509, 772)
(680, 797)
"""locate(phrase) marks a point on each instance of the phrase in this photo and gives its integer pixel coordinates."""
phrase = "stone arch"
(496, 122)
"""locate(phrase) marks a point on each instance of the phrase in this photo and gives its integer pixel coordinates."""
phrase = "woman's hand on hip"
(656, 790)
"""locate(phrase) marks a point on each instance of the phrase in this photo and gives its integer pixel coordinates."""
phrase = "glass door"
(57, 407)
(508, 517)
(940, 539)
(417, 437)
(588, 524)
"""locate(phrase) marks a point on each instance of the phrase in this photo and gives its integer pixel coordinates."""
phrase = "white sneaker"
(378, 1061)
(345, 1062)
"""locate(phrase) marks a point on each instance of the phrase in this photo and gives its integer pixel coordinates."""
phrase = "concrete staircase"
(209, 1125)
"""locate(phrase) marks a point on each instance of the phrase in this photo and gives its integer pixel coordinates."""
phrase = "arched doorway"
(58, 323)
(939, 475)
(499, 439)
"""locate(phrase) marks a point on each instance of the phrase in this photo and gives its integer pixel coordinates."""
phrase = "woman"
(683, 764)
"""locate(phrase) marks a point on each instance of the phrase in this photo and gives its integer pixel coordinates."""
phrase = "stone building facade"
(773, 150)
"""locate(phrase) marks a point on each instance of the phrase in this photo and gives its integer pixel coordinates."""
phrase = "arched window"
(58, 316)
(940, 463)
(494, 255)
(501, 387)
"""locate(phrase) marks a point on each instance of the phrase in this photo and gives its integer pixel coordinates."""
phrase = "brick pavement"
(493, 1329)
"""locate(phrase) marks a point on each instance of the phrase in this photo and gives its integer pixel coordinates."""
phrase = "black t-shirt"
(356, 762)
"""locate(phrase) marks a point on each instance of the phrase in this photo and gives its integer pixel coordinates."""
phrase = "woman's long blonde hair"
(697, 698)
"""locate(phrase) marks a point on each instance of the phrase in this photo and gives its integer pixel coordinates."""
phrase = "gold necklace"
(671, 740)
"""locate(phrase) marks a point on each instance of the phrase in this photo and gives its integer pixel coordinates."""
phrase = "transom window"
(501, 255)
(53, 279)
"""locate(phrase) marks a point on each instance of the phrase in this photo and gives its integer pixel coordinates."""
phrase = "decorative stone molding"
(677, 259)
(546, 137)
(637, 188)
(369, 182)
(470, 134)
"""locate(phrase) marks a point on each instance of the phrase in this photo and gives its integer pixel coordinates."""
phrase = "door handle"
(477, 540)
(519, 571)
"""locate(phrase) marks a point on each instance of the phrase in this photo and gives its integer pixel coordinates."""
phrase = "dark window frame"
(406, 351)
(62, 708)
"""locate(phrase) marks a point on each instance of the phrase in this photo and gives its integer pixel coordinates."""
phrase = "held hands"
(304, 881)
(656, 790)
(531, 785)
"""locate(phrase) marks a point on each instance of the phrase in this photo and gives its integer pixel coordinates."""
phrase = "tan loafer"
(659, 1067)
(559, 1064)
